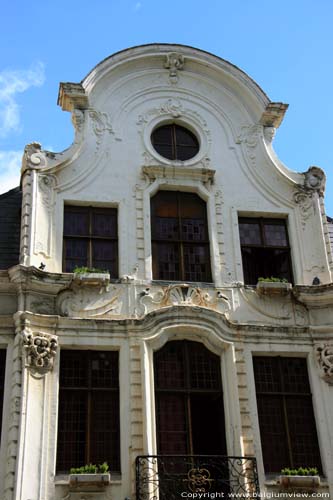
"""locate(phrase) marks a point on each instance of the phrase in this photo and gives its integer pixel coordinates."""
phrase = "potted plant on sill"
(305, 479)
(273, 286)
(89, 477)
(91, 276)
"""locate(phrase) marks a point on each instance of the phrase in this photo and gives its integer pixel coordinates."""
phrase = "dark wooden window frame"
(177, 149)
(262, 221)
(111, 392)
(188, 390)
(90, 237)
(2, 383)
(285, 396)
(181, 242)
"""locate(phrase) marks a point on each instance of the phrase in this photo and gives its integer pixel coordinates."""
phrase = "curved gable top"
(185, 58)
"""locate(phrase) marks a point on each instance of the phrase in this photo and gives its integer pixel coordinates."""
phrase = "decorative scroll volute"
(324, 355)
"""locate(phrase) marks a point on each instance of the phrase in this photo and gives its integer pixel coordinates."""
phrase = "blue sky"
(285, 46)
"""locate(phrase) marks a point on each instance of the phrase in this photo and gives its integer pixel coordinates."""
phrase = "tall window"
(180, 243)
(189, 400)
(2, 382)
(90, 238)
(175, 142)
(286, 419)
(88, 429)
(265, 249)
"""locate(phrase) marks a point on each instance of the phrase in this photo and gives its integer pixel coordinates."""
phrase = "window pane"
(295, 375)
(165, 228)
(302, 427)
(165, 204)
(185, 138)
(104, 255)
(88, 428)
(76, 221)
(285, 412)
(272, 433)
(104, 223)
(169, 367)
(275, 235)
(267, 374)
(171, 422)
(205, 370)
(105, 446)
(197, 263)
(166, 261)
(194, 230)
(104, 369)
(76, 253)
(249, 233)
(184, 153)
(162, 135)
(71, 430)
(74, 368)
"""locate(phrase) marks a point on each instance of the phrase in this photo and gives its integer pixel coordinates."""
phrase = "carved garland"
(324, 355)
(40, 350)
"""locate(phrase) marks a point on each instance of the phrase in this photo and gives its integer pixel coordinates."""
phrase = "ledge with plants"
(91, 276)
(305, 479)
(273, 286)
(89, 477)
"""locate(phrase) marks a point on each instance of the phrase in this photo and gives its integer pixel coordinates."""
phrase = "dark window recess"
(2, 382)
(90, 238)
(180, 244)
(88, 428)
(175, 142)
(188, 380)
(286, 419)
(265, 249)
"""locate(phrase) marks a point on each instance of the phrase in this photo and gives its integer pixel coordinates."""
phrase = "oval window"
(175, 142)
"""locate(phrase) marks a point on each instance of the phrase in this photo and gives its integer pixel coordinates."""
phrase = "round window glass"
(175, 142)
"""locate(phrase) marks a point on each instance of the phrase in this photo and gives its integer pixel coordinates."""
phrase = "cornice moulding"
(317, 296)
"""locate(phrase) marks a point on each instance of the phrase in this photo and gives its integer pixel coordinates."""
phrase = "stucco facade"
(112, 163)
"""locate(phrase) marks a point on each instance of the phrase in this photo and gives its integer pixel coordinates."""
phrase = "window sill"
(64, 479)
(197, 284)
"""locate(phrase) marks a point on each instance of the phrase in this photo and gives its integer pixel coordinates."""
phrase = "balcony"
(166, 477)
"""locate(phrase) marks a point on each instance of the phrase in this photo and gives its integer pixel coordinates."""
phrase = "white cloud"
(13, 82)
(10, 164)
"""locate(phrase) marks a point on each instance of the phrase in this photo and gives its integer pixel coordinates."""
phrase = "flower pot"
(88, 482)
(299, 483)
(92, 279)
(273, 288)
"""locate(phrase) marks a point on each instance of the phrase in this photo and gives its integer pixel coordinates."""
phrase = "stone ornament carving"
(47, 184)
(78, 118)
(315, 180)
(33, 157)
(269, 134)
(181, 295)
(100, 124)
(40, 351)
(174, 62)
(324, 355)
(304, 200)
(84, 302)
(250, 136)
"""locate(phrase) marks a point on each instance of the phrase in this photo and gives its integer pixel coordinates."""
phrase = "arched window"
(175, 142)
(189, 400)
(180, 244)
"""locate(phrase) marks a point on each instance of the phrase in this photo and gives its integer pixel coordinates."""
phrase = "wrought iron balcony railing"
(166, 477)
